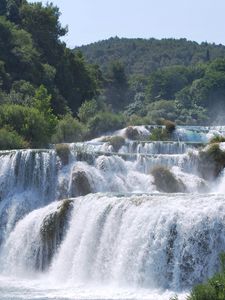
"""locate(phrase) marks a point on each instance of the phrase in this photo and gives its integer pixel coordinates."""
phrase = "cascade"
(140, 218)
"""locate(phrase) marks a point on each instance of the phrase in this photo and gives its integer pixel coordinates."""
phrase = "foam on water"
(124, 240)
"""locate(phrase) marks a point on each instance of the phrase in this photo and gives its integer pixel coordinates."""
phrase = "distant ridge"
(143, 56)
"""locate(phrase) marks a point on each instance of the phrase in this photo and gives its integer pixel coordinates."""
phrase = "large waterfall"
(93, 221)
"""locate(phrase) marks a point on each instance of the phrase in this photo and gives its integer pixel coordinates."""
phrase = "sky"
(93, 20)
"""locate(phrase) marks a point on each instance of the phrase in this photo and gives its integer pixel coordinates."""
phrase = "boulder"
(80, 184)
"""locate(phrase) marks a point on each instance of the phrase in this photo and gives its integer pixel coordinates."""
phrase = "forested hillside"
(153, 80)
(51, 94)
(40, 78)
(143, 56)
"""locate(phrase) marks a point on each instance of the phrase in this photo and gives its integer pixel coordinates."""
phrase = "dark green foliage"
(69, 130)
(207, 92)
(87, 110)
(116, 86)
(42, 22)
(2, 7)
(28, 122)
(63, 151)
(104, 122)
(144, 56)
(10, 139)
(166, 182)
(160, 134)
(213, 289)
(31, 51)
(217, 139)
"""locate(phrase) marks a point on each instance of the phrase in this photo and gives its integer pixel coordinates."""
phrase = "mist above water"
(126, 239)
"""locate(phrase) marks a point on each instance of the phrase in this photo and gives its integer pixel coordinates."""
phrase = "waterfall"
(93, 215)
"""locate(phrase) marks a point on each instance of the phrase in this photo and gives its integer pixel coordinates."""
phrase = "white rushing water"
(125, 239)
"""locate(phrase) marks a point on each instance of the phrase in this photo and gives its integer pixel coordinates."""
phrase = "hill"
(143, 56)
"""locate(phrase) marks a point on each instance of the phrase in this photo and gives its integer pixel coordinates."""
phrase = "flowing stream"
(90, 220)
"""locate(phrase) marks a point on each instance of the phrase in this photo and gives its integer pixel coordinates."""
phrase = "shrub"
(10, 139)
(217, 139)
(63, 151)
(135, 120)
(159, 134)
(105, 121)
(166, 182)
(213, 289)
(27, 122)
(69, 130)
(87, 110)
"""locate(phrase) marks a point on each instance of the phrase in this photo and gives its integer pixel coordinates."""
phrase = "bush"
(69, 130)
(27, 122)
(213, 289)
(159, 134)
(217, 139)
(10, 139)
(166, 182)
(87, 110)
(63, 151)
(105, 121)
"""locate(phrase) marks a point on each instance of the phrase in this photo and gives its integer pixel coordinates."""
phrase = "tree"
(42, 102)
(2, 7)
(116, 86)
(42, 22)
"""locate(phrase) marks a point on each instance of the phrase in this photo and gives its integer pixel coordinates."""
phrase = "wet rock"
(132, 133)
(115, 141)
(52, 233)
(166, 182)
(63, 152)
(80, 185)
(211, 161)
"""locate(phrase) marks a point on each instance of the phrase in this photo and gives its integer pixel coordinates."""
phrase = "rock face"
(132, 133)
(80, 184)
(166, 182)
(115, 141)
(63, 151)
(52, 232)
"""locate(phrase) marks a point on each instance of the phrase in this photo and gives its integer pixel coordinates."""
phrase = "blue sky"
(94, 20)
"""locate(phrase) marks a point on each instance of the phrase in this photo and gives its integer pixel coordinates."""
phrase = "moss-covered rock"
(166, 182)
(115, 141)
(217, 139)
(52, 232)
(170, 126)
(80, 185)
(211, 161)
(132, 133)
(63, 151)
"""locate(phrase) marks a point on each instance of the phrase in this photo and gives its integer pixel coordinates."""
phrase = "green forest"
(52, 94)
